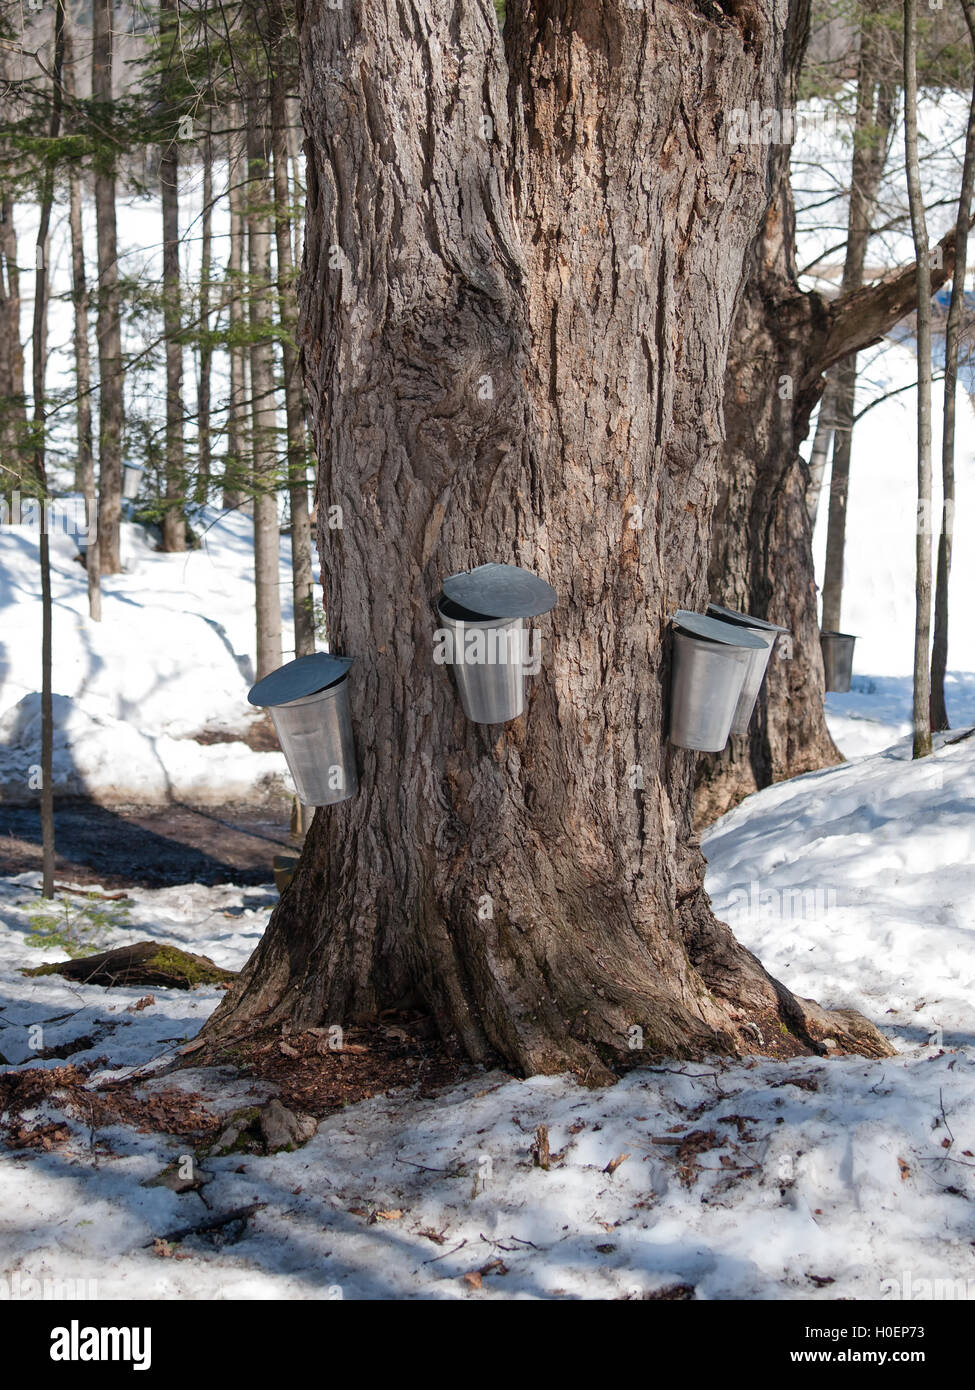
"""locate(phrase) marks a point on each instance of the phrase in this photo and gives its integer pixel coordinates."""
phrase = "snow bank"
(173, 655)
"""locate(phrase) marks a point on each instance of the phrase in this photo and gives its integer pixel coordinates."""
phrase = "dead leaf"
(394, 1214)
(473, 1279)
(905, 1169)
(437, 1237)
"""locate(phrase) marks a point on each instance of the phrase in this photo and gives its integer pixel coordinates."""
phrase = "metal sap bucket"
(131, 478)
(758, 662)
(309, 703)
(482, 613)
(837, 659)
(710, 662)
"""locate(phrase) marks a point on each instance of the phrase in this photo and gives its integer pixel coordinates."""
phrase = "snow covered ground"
(805, 1180)
(172, 656)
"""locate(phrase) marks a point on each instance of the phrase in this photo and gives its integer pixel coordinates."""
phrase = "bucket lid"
(848, 635)
(501, 591)
(304, 676)
(713, 630)
(731, 615)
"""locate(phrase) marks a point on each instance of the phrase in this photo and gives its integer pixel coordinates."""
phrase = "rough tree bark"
(108, 330)
(489, 388)
(784, 342)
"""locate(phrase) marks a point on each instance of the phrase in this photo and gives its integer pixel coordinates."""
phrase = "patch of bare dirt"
(148, 847)
(313, 1076)
(259, 736)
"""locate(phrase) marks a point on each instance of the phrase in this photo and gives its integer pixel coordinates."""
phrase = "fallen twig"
(212, 1223)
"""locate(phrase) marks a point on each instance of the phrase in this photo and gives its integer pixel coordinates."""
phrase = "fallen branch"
(212, 1223)
(151, 963)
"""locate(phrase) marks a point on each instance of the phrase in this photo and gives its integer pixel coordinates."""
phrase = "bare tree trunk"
(844, 376)
(939, 649)
(174, 518)
(919, 230)
(204, 433)
(876, 95)
(85, 466)
(111, 417)
(39, 364)
(301, 559)
(485, 392)
(14, 446)
(13, 405)
(297, 180)
(85, 462)
(234, 464)
(819, 455)
(263, 412)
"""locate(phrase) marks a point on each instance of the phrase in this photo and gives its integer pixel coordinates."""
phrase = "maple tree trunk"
(761, 548)
(518, 355)
(784, 342)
